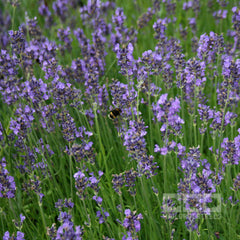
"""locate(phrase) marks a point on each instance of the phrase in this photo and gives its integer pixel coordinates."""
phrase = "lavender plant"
(166, 166)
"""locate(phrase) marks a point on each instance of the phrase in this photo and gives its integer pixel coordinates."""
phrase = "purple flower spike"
(7, 183)
(132, 224)
(197, 187)
(166, 112)
(102, 215)
(20, 236)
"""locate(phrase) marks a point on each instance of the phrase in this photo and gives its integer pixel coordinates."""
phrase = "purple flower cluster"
(219, 121)
(43, 97)
(122, 34)
(18, 224)
(127, 179)
(194, 5)
(145, 18)
(102, 215)
(192, 81)
(20, 236)
(230, 150)
(205, 114)
(5, 21)
(89, 69)
(166, 112)
(125, 59)
(17, 40)
(7, 183)
(83, 151)
(124, 97)
(33, 184)
(136, 146)
(236, 20)
(64, 36)
(92, 13)
(118, 182)
(171, 146)
(66, 229)
(1, 135)
(196, 188)
(9, 83)
(43, 10)
(23, 123)
(134, 139)
(236, 183)
(169, 210)
(83, 183)
(154, 63)
(61, 9)
(210, 46)
(220, 14)
(160, 27)
(229, 91)
(132, 224)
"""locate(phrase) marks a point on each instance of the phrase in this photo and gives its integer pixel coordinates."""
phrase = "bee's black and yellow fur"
(114, 113)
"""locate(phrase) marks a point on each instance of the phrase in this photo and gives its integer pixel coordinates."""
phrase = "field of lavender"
(119, 119)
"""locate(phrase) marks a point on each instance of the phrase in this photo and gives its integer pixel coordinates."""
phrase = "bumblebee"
(114, 113)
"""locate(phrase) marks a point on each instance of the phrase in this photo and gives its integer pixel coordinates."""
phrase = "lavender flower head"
(61, 9)
(134, 139)
(236, 20)
(102, 215)
(43, 10)
(166, 112)
(66, 229)
(64, 36)
(122, 34)
(118, 182)
(169, 210)
(210, 46)
(125, 59)
(82, 183)
(128, 178)
(230, 151)
(20, 236)
(124, 97)
(132, 224)
(236, 183)
(17, 40)
(196, 188)
(7, 183)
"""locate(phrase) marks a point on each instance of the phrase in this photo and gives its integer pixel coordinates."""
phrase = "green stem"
(88, 219)
(183, 117)
(150, 123)
(42, 216)
(13, 17)
(201, 146)
(102, 150)
(195, 133)
(222, 123)
(165, 173)
(70, 172)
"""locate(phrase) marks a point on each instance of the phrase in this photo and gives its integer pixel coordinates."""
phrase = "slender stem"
(13, 17)
(42, 215)
(150, 122)
(165, 173)
(102, 150)
(70, 172)
(222, 123)
(201, 146)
